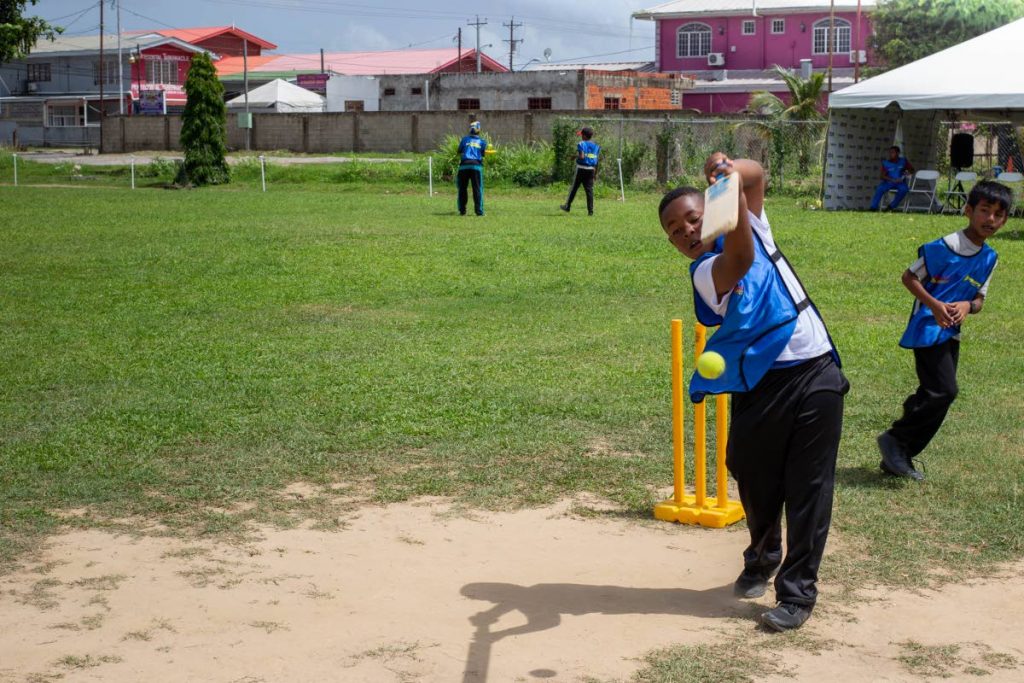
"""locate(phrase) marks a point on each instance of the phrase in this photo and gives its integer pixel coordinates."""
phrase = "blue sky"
(573, 29)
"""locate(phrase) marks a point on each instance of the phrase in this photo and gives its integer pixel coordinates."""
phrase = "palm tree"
(804, 97)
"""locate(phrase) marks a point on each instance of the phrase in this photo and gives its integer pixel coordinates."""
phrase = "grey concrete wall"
(496, 91)
(358, 132)
(38, 136)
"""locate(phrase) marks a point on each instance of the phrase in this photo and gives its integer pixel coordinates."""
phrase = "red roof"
(408, 61)
(197, 35)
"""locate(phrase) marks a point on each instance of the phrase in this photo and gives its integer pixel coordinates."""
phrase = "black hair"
(897, 148)
(675, 194)
(992, 192)
(587, 132)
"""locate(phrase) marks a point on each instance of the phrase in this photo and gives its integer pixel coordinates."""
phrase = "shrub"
(203, 127)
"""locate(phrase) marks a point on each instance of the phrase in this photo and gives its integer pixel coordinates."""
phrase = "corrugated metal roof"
(683, 8)
(87, 44)
(386, 62)
(195, 35)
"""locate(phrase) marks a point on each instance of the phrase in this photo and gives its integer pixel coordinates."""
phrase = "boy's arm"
(732, 264)
(945, 315)
(909, 168)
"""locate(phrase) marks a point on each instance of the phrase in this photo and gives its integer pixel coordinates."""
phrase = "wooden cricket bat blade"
(721, 208)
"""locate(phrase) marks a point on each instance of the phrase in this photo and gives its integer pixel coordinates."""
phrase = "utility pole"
(120, 64)
(512, 26)
(245, 89)
(460, 49)
(831, 39)
(102, 75)
(478, 24)
(856, 64)
(321, 60)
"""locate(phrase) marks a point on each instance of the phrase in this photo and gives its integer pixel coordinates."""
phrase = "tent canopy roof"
(278, 91)
(981, 73)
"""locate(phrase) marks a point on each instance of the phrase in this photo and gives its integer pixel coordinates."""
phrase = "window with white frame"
(821, 38)
(778, 26)
(109, 68)
(693, 40)
(65, 115)
(162, 71)
(749, 27)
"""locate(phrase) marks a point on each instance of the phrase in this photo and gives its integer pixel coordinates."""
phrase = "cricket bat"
(721, 208)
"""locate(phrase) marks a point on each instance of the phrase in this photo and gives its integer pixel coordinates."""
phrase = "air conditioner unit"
(858, 56)
(716, 59)
(32, 86)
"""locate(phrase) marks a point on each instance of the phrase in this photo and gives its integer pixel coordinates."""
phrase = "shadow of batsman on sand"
(544, 604)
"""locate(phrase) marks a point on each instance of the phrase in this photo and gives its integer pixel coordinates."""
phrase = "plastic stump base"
(710, 515)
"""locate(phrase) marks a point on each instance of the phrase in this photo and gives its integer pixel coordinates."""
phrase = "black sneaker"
(751, 583)
(786, 616)
(564, 207)
(894, 459)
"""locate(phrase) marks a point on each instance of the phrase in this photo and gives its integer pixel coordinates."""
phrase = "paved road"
(141, 158)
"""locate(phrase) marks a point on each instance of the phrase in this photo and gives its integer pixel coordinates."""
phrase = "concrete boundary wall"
(354, 131)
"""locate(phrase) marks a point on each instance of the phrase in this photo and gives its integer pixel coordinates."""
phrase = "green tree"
(783, 129)
(203, 126)
(19, 34)
(804, 98)
(907, 30)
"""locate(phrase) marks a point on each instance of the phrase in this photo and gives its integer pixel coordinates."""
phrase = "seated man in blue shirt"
(893, 171)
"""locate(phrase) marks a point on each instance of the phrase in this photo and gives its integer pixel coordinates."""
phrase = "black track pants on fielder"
(471, 176)
(925, 409)
(584, 177)
(783, 443)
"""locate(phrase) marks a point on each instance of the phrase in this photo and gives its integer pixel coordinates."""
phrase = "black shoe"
(752, 583)
(564, 207)
(786, 616)
(591, 213)
(894, 459)
(462, 213)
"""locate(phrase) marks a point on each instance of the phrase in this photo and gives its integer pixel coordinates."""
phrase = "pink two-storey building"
(730, 46)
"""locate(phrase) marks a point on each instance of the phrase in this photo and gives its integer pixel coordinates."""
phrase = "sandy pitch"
(414, 593)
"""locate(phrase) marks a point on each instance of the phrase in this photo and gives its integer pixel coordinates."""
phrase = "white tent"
(279, 96)
(979, 79)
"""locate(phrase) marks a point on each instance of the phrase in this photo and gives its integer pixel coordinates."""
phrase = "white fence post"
(430, 172)
(133, 171)
(15, 169)
(622, 186)
(263, 172)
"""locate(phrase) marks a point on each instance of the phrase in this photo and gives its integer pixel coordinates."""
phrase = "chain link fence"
(673, 151)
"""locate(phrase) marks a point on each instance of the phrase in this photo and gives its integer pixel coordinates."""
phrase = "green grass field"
(169, 354)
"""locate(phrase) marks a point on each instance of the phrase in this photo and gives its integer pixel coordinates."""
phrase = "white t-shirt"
(810, 339)
(959, 243)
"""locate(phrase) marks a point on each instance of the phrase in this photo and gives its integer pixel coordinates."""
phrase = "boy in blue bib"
(472, 149)
(949, 281)
(587, 153)
(787, 389)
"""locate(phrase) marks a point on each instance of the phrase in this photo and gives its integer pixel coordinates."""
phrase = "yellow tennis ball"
(710, 365)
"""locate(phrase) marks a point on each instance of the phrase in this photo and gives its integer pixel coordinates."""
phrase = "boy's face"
(985, 219)
(894, 154)
(682, 221)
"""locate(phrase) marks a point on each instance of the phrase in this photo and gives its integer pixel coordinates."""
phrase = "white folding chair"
(926, 184)
(1015, 181)
(956, 196)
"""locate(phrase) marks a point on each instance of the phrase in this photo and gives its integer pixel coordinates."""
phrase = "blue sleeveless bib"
(951, 277)
(758, 323)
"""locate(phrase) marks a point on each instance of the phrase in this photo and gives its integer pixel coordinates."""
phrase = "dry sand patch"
(419, 592)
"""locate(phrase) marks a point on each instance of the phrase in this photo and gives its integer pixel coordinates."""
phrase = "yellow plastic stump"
(697, 508)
